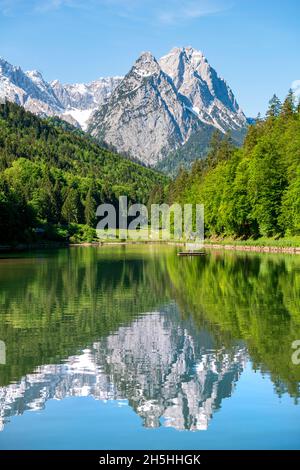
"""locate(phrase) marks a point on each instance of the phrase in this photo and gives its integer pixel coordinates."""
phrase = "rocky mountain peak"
(180, 58)
(146, 65)
(6, 67)
(189, 52)
(207, 94)
(186, 64)
(35, 75)
(54, 83)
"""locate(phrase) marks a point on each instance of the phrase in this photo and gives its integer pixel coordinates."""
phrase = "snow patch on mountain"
(72, 102)
(80, 115)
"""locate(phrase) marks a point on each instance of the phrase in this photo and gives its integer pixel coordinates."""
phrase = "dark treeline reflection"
(54, 305)
(255, 298)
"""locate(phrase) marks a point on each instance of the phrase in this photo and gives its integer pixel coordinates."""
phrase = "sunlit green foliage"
(253, 191)
(51, 174)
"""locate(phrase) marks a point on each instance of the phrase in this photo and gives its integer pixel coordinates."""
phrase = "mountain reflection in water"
(165, 371)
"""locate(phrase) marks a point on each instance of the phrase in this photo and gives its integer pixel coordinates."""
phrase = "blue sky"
(253, 44)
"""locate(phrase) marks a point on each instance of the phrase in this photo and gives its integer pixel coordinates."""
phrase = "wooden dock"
(191, 253)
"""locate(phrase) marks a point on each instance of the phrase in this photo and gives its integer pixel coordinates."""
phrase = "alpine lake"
(123, 347)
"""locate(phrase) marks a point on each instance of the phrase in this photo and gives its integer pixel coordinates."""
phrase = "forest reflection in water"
(169, 336)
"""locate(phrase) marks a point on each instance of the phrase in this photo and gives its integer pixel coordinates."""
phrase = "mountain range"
(73, 103)
(158, 108)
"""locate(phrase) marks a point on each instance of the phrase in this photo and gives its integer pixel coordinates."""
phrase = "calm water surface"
(134, 347)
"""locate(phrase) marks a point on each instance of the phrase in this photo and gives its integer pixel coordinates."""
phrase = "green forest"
(53, 176)
(252, 191)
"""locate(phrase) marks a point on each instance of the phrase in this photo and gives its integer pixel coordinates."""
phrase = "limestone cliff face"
(159, 105)
(207, 94)
(144, 116)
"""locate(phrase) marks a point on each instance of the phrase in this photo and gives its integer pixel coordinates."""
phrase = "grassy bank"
(286, 242)
(86, 235)
(82, 235)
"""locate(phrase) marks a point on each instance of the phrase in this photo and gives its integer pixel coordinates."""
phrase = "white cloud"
(167, 12)
(48, 5)
(43, 6)
(296, 88)
(189, 10)
(7, 6)
(11, 7)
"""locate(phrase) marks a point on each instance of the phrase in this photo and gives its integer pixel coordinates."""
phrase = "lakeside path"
(210, 246)
(260, 249)
(207, 245)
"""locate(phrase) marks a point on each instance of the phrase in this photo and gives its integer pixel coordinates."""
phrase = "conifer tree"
(288, 107)
(71, 206)
(274, 107)
(214, 147)
(90, 208)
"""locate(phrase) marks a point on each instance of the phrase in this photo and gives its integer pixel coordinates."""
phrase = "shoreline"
(211, 246)
(22, 247)
(254, 248)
